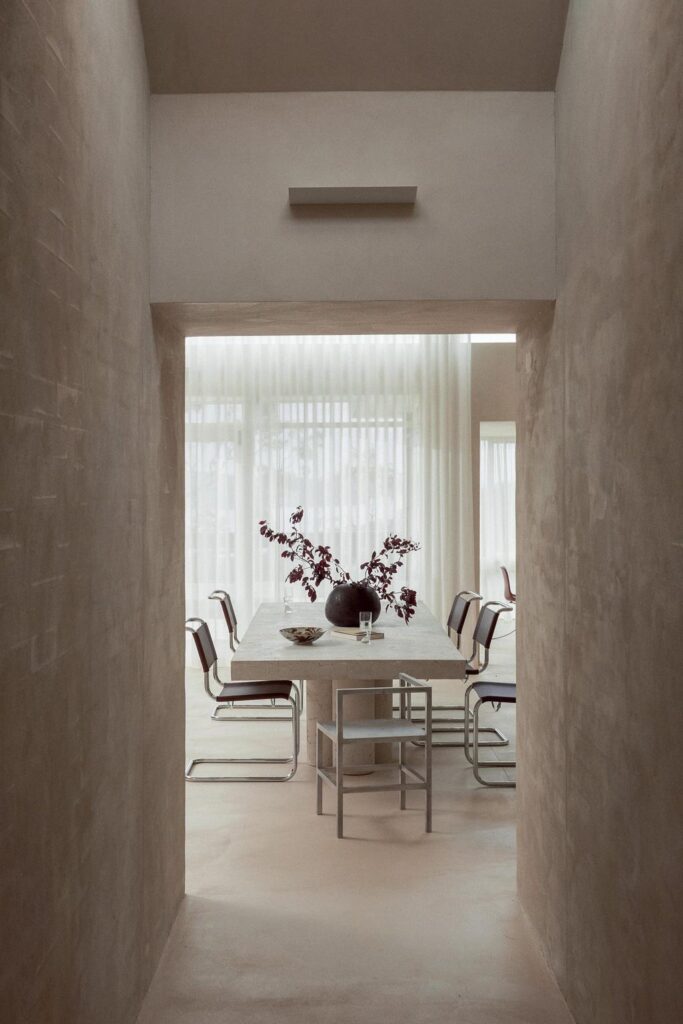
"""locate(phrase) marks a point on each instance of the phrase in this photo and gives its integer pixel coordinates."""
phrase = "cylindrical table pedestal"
(321, 705)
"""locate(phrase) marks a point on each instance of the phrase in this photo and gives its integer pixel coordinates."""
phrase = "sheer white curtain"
(497, 542)
(370, 434)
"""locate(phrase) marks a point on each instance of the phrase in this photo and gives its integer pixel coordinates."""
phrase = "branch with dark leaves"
(380, 570)
(315, 564)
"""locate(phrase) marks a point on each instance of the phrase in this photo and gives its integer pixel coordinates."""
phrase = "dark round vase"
(348, 600)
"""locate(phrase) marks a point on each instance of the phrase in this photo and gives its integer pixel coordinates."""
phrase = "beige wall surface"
(483, 226)
(91, 610)
(600, 535)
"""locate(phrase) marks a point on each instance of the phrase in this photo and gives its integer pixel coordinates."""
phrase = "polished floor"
(285, 923)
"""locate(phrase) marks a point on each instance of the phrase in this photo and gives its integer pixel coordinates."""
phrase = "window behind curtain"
(497, 542)
(370, 434)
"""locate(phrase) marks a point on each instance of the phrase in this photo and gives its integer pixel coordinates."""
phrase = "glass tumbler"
(365, 625)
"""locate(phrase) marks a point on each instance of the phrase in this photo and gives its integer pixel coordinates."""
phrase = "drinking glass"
(365, 624)
(287, 600)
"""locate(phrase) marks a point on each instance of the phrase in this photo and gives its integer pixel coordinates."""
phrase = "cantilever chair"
(378, 730)
(458, 614)
(228, 610)
(510, 596)
(484, 629)
(240, 693)
(454, 624)
(483, 635)
(486, 693)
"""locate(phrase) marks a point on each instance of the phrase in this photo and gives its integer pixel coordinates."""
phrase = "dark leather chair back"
(204, 643)
(228, 610)
(486, 625)
(458, 613)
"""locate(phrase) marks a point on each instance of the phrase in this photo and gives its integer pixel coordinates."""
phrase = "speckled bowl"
(302, 634)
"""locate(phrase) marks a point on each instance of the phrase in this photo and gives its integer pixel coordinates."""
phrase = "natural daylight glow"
(493, 339)
(377, 339)
(343, 426)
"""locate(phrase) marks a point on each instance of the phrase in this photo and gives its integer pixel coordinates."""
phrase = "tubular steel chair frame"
(389, 730)
(223, 597)
(487, 693)
(209, 662)
(455, 624)
(483, 635)
(225, 601)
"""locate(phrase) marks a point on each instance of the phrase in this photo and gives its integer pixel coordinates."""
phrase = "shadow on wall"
(354, 211)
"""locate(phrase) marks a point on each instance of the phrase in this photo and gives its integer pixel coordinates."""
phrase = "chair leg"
(189, 777)
(477, 764)
(296, 724)
(340, 790)
(402, 772)
(468, 718)
(443, 707)
(428, 785)
(216, 715)
(318, 776)
(451, 725)
(458, 720)
(293, 760)
(502, 740)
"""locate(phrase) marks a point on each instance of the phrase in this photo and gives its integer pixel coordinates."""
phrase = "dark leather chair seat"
(500, 693)
(261, 689)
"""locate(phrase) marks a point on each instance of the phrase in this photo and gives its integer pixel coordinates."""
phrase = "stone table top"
(422, 649)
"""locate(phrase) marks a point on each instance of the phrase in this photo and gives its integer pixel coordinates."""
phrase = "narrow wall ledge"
(400, 316)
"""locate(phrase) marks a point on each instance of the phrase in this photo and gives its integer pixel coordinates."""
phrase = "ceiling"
(199, 46)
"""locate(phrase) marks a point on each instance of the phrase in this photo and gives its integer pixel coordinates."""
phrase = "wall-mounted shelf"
(353, 195)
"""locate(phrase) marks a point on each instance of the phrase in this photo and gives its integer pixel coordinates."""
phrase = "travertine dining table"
(422, 649)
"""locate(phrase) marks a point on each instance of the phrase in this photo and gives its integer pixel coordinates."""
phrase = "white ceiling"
(200, 46)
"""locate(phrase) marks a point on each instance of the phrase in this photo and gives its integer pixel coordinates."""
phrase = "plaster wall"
(482, 228)
(600, 541)
(91, 608)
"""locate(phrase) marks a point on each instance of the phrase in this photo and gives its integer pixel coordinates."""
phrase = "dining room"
(331, 478)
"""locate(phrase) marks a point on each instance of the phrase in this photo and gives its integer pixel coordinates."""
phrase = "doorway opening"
(267, 879)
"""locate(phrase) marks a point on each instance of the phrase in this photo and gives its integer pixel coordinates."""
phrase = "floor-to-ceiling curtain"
(370, 434)
(497, 508)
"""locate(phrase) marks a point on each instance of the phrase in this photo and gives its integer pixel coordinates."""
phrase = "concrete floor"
(285, 923)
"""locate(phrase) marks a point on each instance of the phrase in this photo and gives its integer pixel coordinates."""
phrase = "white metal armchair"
(399, 730)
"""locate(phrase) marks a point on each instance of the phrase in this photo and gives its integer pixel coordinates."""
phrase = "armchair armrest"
(407, 686)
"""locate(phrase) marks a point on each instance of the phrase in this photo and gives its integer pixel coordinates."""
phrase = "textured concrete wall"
(91, 716)
(600, 531)
(482, 228)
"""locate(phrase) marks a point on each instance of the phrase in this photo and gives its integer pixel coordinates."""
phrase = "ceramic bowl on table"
(302, 634)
